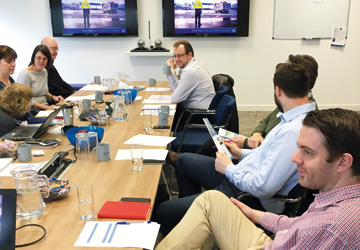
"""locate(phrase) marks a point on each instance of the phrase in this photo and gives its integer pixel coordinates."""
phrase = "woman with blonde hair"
(15, 100)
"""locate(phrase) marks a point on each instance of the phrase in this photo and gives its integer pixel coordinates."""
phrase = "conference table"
(111, 180)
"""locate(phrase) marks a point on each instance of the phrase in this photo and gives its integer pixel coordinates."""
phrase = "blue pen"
(129, 223)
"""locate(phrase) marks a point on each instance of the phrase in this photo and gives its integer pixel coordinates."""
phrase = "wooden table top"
(111, 180)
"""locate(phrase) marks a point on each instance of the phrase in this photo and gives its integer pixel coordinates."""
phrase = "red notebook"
(125, 210)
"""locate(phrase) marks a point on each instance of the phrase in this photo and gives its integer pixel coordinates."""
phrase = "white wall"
(250, 60)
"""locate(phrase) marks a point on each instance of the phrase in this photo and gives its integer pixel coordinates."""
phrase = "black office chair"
(194, 135)
(192, 116)
(292, 201)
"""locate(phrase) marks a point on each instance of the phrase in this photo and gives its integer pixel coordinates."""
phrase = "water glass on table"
(86, 201)
(137, 156)
(147, 120)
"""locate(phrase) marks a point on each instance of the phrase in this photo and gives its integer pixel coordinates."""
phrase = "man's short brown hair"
(187, 46)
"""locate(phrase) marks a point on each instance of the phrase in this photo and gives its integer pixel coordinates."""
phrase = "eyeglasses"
(54, 49)
(178, 56)
(40, 58)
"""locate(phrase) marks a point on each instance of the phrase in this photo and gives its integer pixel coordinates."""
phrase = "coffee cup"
(97, 79)
(86, 104)
(163, 118)
(164, 109)
(99, 96)
(24, 152)
(152, 82)
(167, 69)
(103, 151)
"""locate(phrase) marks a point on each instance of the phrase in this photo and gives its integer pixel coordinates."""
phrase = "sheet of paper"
(157, 89)
(55, 130)
(46, 113)
(150, 140)
(148, 154)
(4, 163)
(158, 99)
(80, 98)
(138, 98)
(33, 166)
(113, 234)
(338, 37)
(96, 87)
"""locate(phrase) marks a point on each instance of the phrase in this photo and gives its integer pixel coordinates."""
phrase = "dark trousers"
(193, 171)
(86, 14)
(208, 148)
(198, 18)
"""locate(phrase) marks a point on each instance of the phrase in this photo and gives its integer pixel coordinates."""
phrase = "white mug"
(103, 151)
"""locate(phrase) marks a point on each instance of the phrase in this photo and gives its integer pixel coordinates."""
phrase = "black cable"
(32, 225)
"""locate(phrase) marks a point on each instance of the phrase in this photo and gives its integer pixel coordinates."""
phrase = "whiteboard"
(298, 19)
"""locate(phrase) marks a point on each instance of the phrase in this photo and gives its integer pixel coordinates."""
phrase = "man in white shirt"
(193, 87)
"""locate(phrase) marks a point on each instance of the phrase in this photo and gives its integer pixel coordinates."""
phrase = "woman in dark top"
(14, 100)
(7, 65)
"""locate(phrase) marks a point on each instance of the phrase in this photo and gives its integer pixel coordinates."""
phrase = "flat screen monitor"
(206, 18)
(7, 218)
(71, 18)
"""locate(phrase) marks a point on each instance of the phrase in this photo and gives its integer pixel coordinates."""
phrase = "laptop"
(216, 138)
(22, 133)
(7, 218)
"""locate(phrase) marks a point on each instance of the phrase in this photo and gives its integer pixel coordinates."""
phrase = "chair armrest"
(206, 113)
(192, 113)
(277, 197)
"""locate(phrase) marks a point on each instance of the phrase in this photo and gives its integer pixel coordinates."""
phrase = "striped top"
(331, 222)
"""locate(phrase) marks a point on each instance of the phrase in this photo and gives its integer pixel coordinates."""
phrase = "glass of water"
(86, 201)
(137, 156)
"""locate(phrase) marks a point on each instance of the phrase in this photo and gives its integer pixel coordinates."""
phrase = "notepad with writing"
(125, 210)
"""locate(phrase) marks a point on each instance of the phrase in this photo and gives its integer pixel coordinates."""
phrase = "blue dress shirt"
(268, 169)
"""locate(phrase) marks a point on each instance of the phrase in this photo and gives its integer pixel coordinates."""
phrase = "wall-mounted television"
(206, 18)
(74, 18)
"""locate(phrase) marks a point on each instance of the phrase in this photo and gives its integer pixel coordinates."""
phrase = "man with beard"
(194, 87)
(263, 172)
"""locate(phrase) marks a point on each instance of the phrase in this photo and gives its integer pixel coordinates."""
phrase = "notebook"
(217, 139)
(125, 210)
(22, 133)
(7, 218)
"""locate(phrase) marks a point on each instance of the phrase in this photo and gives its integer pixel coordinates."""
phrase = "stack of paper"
(148, 154)
(150, 140)
(118, 234)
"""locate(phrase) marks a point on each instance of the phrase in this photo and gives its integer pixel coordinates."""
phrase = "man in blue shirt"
(263, 172)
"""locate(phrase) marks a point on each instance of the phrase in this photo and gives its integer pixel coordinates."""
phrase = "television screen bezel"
(58, 24)
(242, 22)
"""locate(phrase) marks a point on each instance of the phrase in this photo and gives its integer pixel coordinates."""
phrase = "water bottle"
(119, 110)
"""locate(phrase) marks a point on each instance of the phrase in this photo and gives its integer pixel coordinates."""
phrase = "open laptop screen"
(7, 218)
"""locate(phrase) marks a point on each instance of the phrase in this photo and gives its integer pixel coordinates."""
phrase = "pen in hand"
(225, 141)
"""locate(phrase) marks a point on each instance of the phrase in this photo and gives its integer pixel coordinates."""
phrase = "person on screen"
(198, 10)
(327, 159)
(57, 86)
(7, 66)
(14, 101)
(36, 77)
(85, 5)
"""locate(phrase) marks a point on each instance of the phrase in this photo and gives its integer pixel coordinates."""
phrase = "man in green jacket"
(273, 119)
